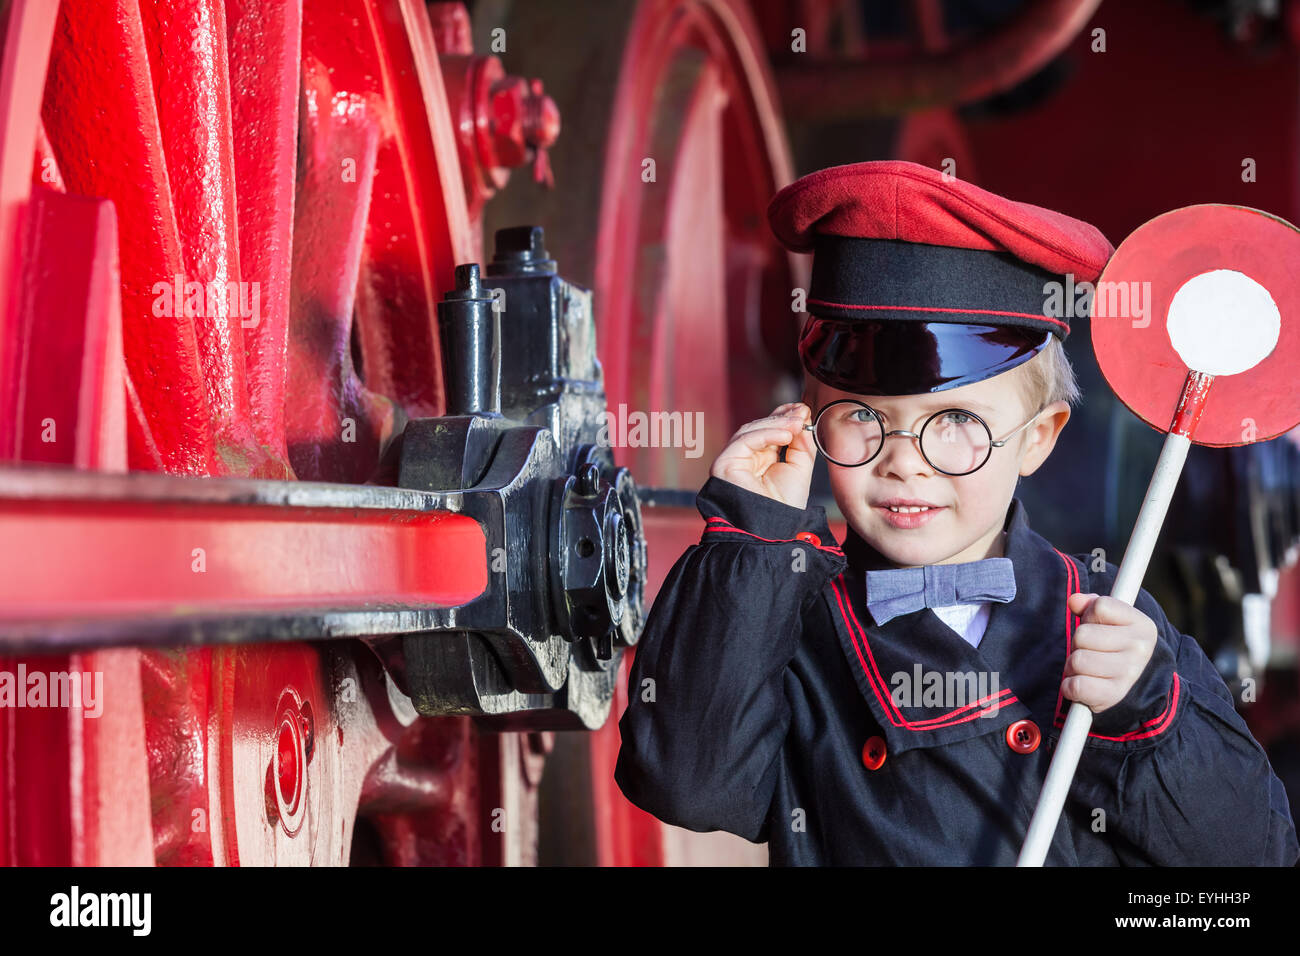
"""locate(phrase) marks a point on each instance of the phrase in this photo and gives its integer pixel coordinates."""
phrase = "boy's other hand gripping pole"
(1127, 584)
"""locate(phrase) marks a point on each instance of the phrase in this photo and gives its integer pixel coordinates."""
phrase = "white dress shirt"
(968, 620)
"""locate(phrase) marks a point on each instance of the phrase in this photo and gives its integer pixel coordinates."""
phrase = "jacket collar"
(924, 684)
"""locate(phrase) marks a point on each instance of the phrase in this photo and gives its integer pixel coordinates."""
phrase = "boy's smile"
(963, 515)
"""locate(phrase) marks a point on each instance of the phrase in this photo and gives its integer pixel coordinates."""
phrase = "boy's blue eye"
(957, 418)
(862, 415)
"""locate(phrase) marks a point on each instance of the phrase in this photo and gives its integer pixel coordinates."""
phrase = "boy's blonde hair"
(1048, 377)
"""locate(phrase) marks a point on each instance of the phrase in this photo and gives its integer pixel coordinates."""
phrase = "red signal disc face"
(1131, 338)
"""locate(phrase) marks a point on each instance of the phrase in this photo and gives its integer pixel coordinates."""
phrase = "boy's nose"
(901, 457)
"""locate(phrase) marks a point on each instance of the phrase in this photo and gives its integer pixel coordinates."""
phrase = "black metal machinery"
(519, 451)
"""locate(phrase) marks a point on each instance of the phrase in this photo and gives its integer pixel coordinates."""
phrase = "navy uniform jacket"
(765, 701)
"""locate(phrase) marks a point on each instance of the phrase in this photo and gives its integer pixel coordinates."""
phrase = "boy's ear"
(1040, 438)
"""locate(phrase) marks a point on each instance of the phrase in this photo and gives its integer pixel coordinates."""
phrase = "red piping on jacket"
(1164, 719)
(723, 526)
(877, 682)
(1171, 707)
(1071, 586)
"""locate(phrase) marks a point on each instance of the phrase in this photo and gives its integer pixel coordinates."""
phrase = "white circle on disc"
(1223, 322)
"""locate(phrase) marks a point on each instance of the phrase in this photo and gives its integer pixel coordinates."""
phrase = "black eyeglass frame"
(917, 435)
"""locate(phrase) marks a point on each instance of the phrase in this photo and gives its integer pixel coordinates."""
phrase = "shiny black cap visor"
(870, 357)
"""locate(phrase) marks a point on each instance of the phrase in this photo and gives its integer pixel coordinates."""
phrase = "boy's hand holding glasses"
(752, 459)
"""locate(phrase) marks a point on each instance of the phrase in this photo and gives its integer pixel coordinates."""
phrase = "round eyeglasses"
(954, 441)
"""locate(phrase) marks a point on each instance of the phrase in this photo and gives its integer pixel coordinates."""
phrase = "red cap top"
(899, 200)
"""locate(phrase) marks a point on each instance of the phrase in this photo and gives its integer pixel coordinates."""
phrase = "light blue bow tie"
(896, 591)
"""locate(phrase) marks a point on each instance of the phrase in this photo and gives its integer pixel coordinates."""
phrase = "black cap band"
(893, 281)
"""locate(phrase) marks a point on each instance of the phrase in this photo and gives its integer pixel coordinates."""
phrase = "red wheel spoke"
(382, 51)
(186, 42)
(28, 25)
(264, 39)
(694, 285)
(335, 425)
(71, 407)
(106, 135)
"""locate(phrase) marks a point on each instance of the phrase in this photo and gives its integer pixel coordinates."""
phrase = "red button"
(1023, 736)
(873, 753)
(811, 538)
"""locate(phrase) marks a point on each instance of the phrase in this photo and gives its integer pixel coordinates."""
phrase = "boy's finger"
(1104, 609)
(1087, 690)
(769, 420)
(1079, 602)
(1088, 663)
(1106, 638)
(801, 451)
(1083, 605)
(762, 424)
(1111, 610)
(761, 439)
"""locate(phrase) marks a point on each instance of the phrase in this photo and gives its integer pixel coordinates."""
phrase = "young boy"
(898, 701)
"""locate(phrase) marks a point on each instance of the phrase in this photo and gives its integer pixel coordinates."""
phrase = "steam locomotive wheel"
(288, 204)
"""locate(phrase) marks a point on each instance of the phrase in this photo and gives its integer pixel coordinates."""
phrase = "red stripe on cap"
(929, 308)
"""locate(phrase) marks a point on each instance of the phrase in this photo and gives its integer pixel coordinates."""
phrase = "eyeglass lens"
(954, 442)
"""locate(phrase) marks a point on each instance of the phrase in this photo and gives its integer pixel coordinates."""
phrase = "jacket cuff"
(760, 516)
(1147, 702)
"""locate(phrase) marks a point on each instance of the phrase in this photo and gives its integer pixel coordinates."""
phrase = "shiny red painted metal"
(336, 426)
(381, 55)
(226, 558)
(501, 121)
(264, 39)
(190, 127)
(28, 25)
(102, 120)
(680, 265)
(45, 171)
(89, 811)
(73, 789)
(70, 405)
(185, 41)
(692, 284)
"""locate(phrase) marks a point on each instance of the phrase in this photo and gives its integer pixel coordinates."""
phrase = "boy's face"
(967, 524)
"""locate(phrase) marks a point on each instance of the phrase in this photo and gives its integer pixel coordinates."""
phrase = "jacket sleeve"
(707, 714)
(1181, 778)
